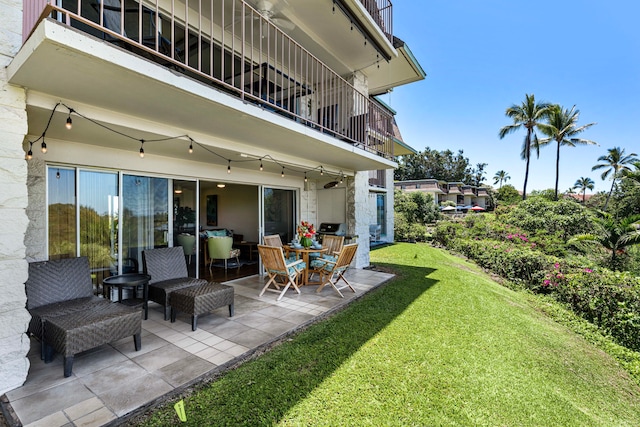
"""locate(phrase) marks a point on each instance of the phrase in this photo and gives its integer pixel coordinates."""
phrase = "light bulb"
(29, 154)
(141, 153)
(261, 168)
(44, 147)
(191, 148)
(69, 124)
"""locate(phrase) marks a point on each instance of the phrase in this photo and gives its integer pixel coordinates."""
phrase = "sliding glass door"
(86, 224)
(145, 217)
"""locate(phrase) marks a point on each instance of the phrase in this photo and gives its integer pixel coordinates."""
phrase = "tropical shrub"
(446, 232)
(511, 260)
(508, 195)
(536, 214)
(610, 300)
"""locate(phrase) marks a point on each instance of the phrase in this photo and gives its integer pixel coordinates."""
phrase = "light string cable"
(184, 137)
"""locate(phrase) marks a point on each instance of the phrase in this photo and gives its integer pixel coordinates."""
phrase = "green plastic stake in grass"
(179, 407)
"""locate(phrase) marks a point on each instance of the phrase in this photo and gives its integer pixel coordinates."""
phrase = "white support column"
(14, 317)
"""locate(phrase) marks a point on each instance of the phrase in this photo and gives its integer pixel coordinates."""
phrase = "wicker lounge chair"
(168, 270)
(67, 318)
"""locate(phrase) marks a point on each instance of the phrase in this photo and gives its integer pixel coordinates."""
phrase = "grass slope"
(440, 345)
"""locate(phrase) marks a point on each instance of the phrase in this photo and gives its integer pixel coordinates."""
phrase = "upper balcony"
(238, 50)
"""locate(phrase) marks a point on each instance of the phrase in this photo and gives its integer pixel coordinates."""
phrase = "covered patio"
(114, 382)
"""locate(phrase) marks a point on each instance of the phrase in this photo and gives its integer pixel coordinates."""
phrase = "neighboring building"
(461, 194)
(249, 115)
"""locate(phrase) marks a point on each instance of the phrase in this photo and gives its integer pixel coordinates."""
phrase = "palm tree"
(584, 183)
(501, 176)
(633, 176)
(562, 127)
(527, 115)
(615, 162)
(615, 235)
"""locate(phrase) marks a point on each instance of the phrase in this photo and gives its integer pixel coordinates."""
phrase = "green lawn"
(440, 345)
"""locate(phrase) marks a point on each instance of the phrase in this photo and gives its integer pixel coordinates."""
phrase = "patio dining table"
(305, 257)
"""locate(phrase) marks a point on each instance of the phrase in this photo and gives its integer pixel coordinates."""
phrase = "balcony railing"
(382, 13)
(230, 45)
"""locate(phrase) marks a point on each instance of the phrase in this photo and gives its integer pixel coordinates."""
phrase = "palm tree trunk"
(584, 195)
(528, 156)
(557, 170)
(606, 203)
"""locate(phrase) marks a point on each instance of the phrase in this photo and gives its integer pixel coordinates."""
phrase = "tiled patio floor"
(113, 381)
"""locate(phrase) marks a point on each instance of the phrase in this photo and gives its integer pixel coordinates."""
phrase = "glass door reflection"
(145, 216)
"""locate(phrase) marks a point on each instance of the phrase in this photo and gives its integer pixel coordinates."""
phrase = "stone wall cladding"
(35, 238)
(14, 344)
(309, 203)
(358, 198)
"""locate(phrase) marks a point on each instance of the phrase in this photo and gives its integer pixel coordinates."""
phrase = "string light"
(69, 124)
(58, 174)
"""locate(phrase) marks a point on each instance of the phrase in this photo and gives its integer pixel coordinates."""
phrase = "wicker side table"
(201, 299)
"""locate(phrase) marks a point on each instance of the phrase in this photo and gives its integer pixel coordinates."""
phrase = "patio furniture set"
(68, 319)
(287, 271)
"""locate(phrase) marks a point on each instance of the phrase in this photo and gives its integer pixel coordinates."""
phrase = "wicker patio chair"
(328, 269)
(67, 318)
(168, 270)
(57, 288)
(276, 267)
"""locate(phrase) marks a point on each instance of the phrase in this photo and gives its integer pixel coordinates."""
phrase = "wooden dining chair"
(331, 272)
(275, 241)
(277, 267)
(333, 244)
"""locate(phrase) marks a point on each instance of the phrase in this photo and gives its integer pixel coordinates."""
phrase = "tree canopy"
(441, 165)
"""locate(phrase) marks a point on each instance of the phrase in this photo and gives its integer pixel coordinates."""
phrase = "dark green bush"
(446, 232)
(514, 262)
(610, 300)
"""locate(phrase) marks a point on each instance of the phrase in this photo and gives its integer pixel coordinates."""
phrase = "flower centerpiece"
(306, 233)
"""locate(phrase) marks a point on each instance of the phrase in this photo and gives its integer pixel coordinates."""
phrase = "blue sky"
(483, 56)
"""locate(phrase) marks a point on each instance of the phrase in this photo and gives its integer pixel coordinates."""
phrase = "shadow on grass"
(262, 391)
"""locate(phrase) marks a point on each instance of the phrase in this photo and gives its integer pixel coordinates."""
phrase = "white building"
(275, 100)
(463, 195)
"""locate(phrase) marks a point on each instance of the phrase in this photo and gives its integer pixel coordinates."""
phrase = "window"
(381, 212)
(86, 224)
(62, 213)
